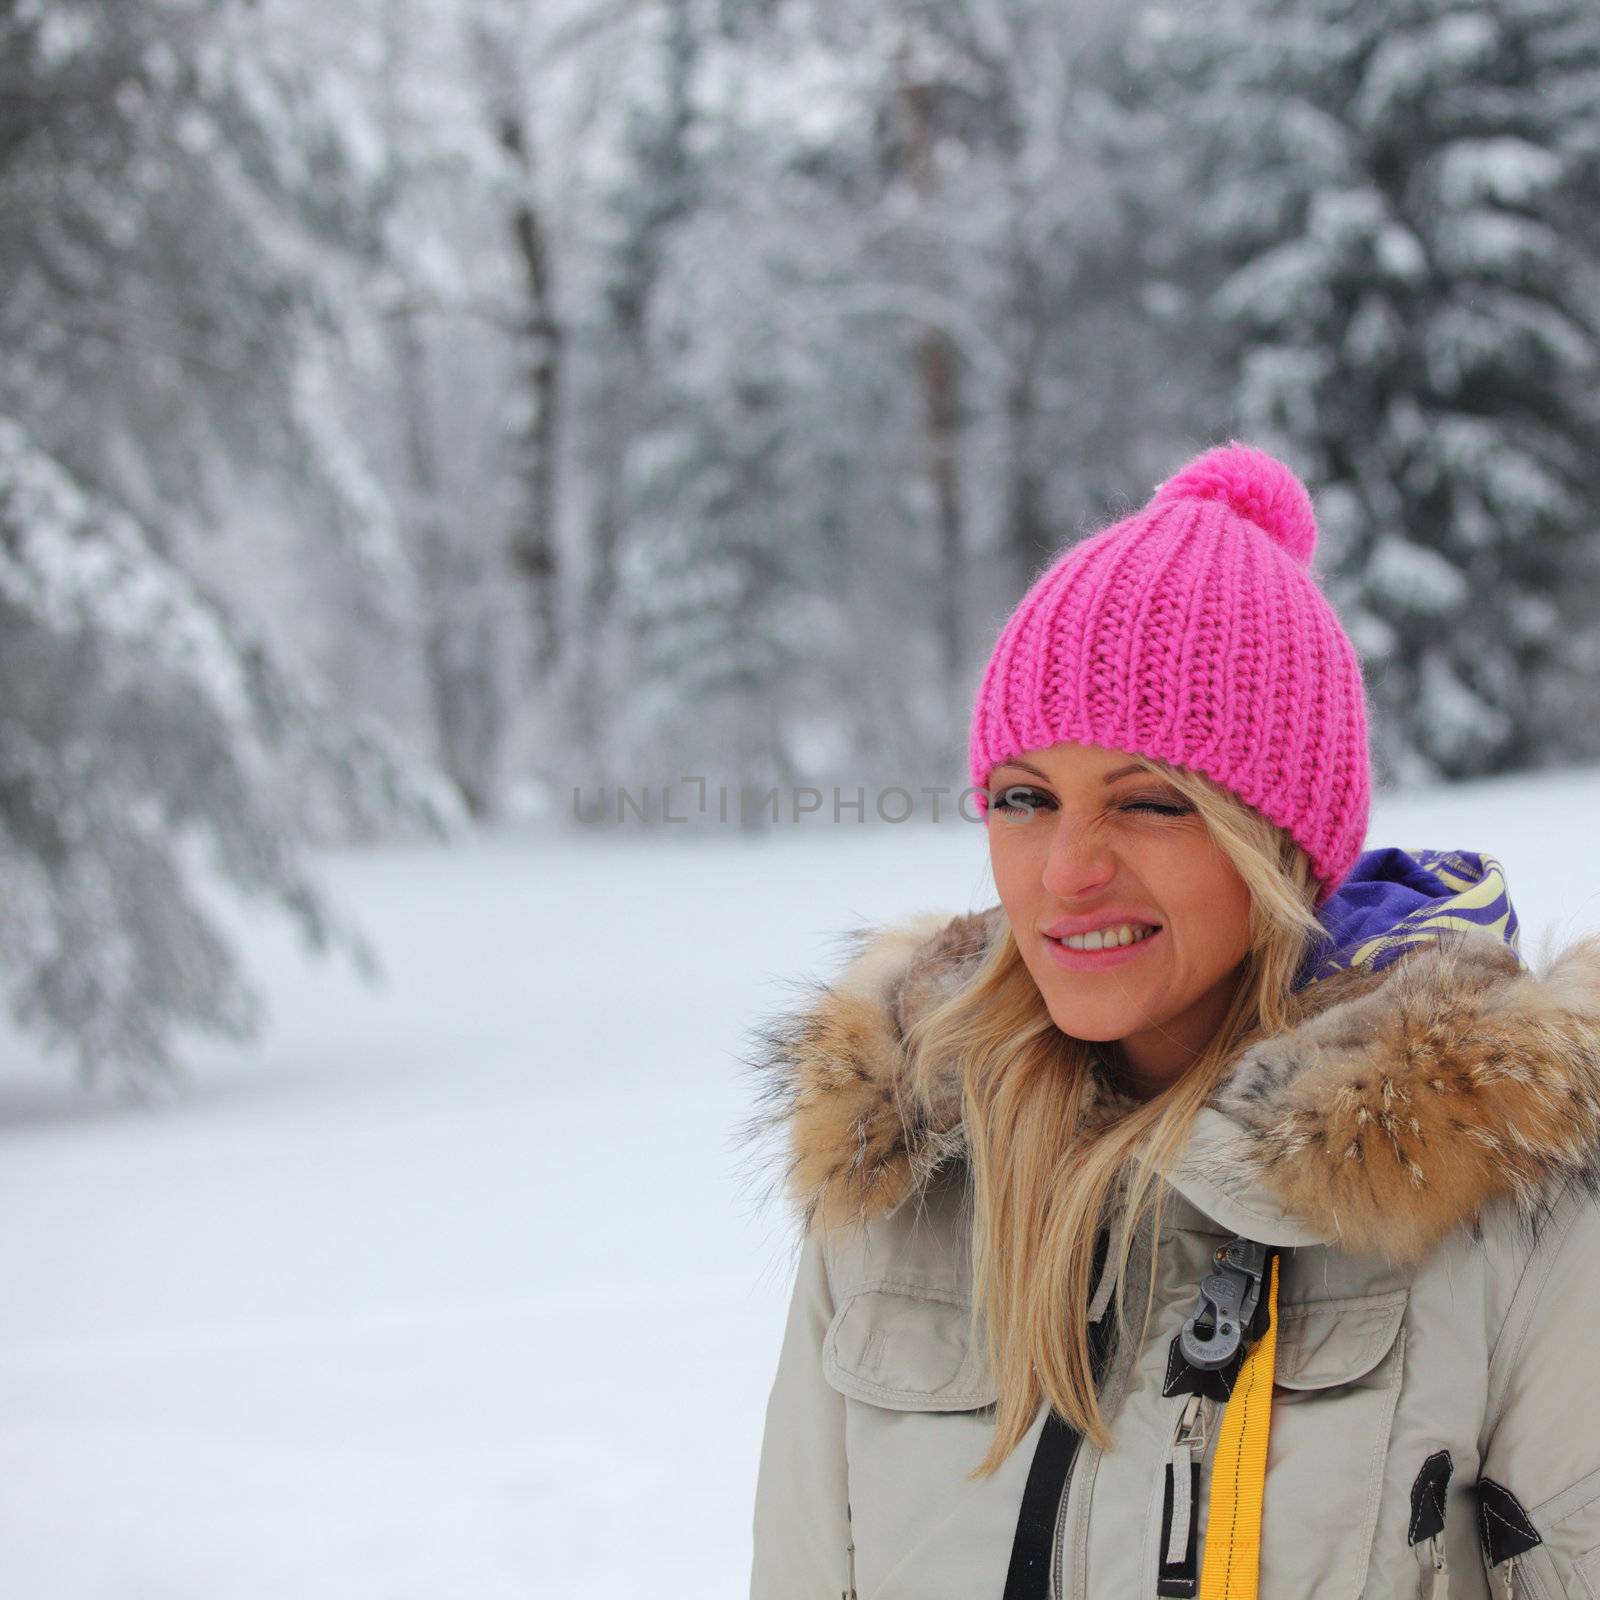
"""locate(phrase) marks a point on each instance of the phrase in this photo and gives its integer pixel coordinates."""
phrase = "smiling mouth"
(1117, 938)
(1075, 959)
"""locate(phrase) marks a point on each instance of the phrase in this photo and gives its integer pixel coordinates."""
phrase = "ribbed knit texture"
(1196, 632)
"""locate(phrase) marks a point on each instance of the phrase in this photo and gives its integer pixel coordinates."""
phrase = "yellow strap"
(1232, 1567)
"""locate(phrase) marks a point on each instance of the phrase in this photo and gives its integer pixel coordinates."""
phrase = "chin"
(1091, 1029)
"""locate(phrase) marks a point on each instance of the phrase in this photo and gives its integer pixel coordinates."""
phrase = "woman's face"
(1079, 836)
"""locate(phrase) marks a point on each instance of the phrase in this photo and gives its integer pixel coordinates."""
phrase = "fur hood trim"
(1400, 1102)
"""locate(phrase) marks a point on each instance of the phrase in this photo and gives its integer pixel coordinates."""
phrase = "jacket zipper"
(1522, 1578)
(849, 1557)
(1441, 1573)
(1103, 1354)
(1061, 1519)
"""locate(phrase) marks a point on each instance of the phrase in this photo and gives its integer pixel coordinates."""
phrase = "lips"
(1096, 960)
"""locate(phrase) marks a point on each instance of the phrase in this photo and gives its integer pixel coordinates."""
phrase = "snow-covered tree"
(902, 250)
(181, 199)
(438, 309)
(1401, 200)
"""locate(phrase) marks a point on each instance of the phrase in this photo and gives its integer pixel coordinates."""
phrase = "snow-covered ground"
(455, 1288)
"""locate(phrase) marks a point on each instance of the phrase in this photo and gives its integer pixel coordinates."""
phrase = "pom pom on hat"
(1256, 486)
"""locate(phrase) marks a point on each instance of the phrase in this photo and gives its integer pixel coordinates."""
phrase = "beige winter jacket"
(1421, 1144)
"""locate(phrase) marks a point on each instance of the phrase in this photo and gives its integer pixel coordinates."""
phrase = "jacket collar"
(1426, 1072)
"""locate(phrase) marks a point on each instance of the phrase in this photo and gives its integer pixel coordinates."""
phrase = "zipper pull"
(1178, 1575)
(1188, 1418)
(1188, 1445)
(1181, 1482)
(1441, 1573)
(1511, 1579)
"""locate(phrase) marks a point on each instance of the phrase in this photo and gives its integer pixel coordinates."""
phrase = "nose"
(1079, 863)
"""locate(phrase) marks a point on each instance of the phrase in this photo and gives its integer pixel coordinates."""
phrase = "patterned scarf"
(1394, 900)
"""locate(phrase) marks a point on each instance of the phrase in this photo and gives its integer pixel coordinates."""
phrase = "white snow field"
(451, 1290)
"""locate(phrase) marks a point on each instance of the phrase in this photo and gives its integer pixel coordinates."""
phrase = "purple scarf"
(1394, 899)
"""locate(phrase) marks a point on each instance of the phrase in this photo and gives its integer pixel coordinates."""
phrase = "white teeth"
(1108, 938)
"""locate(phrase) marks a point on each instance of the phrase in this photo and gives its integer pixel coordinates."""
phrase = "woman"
(1249, 1247)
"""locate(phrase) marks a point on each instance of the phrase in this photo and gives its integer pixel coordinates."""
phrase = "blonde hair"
(1043, 1172)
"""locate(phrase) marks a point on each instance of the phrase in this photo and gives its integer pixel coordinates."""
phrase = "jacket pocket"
(1339, 1368)
(906, 1346)
(917, 1421)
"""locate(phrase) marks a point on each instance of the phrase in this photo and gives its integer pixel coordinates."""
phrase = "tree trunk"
(939, 381)
(539, 360)
(463, 692)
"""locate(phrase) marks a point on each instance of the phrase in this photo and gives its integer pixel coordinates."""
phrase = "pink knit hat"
(1195, 631)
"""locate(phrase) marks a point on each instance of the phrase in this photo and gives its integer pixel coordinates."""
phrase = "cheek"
(1015, 864)
(1209, 908)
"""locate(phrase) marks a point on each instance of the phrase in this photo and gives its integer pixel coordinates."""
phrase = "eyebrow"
(1110, 777)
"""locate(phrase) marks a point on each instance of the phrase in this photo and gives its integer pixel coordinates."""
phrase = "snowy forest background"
(416, 414)
(417, 411)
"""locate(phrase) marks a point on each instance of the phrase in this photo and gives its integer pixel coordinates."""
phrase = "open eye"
(1019, 799)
